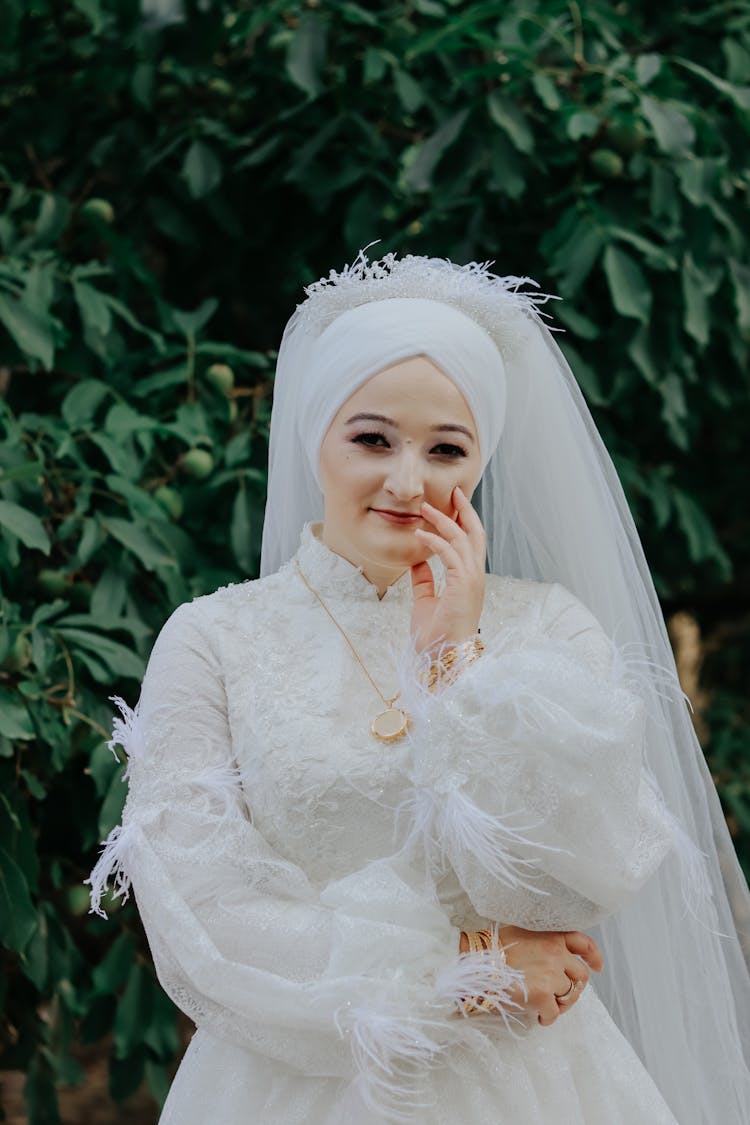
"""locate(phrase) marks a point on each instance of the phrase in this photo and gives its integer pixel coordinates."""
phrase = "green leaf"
(647, 67)
(32, 333)
(172, 377)
(159, 1081)
(133, 1011)
(508, 117)
(582, 124)
(306, 55)
(122, 421)
(546, 90)
(423, 158)
(628, 287)
(697, 180)
(103, 766)
(740, 275)
(92, 10)
(578, 255)
(408, 91)
(110, 812)
(585, 374)
(507, 169)
(136, 539)
(375, 65)
(698, 285)
(120, 660)
(639, 350)
(240, 532)
(673, 131)
(739, 95)
(25, 526)
(699, 533)
(162, 1034)
(201, 170)
(114, 968)
(52, 219)
(15, 721)
(110, 592)
(35, 957)
(39, 1094)
(654, 255)
(18, 918)
(580, 325)
(93, 306)
(190, 323)
(126, 1075)
(738, 60)
(25, 471)
(674, 409)
(81, 402)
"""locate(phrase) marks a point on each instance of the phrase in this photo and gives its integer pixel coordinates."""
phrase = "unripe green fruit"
(100, 209)
(78, 900)
(52, 582)
(198, 463)
(19, 656)
(221, 86)
(607, 163)
(170, 500)
(169, 92)
(628, 136)
(233, 410)
(221, 376)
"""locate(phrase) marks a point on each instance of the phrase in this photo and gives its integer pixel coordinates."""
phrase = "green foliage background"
(171, 174)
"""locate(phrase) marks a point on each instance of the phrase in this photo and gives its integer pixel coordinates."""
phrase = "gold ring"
(565, 995)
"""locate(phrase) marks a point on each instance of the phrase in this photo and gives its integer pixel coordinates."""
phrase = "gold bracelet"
(479, 941)
(442, 669)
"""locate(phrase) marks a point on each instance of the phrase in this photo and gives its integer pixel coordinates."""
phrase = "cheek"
(440, 485)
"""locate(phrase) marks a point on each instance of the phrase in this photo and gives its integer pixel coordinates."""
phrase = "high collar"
(333, 575)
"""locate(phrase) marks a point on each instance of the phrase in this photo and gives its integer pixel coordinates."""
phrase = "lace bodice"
(321, 789)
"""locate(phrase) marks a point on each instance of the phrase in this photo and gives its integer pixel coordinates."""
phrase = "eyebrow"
(448, 427)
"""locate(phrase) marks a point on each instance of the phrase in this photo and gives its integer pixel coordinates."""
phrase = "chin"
(389, 552)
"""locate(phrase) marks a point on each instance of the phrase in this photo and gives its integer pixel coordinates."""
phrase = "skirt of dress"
(579, 1071)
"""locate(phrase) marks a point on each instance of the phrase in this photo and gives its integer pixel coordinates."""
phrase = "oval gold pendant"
(390, 725)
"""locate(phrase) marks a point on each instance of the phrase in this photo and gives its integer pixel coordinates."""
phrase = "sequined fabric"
(302, 885)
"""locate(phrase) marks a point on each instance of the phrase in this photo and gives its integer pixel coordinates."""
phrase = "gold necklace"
(390, 724)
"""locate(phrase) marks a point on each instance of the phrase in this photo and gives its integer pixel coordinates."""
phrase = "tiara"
(503, 306)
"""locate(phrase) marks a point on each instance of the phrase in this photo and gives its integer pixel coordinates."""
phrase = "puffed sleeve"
(241, 939)
(528, 771)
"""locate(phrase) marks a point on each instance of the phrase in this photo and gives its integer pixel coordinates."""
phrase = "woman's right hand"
(549, 960)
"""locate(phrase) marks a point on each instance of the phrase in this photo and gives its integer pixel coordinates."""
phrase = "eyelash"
(361, 439)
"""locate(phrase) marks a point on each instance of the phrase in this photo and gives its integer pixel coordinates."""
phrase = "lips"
(405, 518)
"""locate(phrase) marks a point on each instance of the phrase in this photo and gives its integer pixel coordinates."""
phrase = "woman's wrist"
(449, 659)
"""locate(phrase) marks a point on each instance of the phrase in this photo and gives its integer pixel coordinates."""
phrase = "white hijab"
(676, 978)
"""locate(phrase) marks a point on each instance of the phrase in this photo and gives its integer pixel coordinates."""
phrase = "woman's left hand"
(461, 545)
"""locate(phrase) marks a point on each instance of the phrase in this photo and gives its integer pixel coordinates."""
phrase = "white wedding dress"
(302, 885)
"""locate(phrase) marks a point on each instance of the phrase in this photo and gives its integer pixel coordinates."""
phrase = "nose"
(405, 480)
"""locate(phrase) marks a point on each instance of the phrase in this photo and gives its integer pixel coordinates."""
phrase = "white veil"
(676, 979)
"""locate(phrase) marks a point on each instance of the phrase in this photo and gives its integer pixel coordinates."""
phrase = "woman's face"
(405, 436)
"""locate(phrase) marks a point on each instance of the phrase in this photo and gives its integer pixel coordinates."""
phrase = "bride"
(376, 796)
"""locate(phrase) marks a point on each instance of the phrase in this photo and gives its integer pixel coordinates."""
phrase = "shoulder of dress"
(505, 593)
(228, 601)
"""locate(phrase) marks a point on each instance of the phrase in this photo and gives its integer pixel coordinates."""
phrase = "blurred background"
(171, 175)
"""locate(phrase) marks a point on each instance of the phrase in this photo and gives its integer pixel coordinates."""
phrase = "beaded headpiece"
(500, 305)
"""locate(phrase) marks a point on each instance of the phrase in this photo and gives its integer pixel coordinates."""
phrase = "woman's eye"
(372, 440)
(447, 450)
